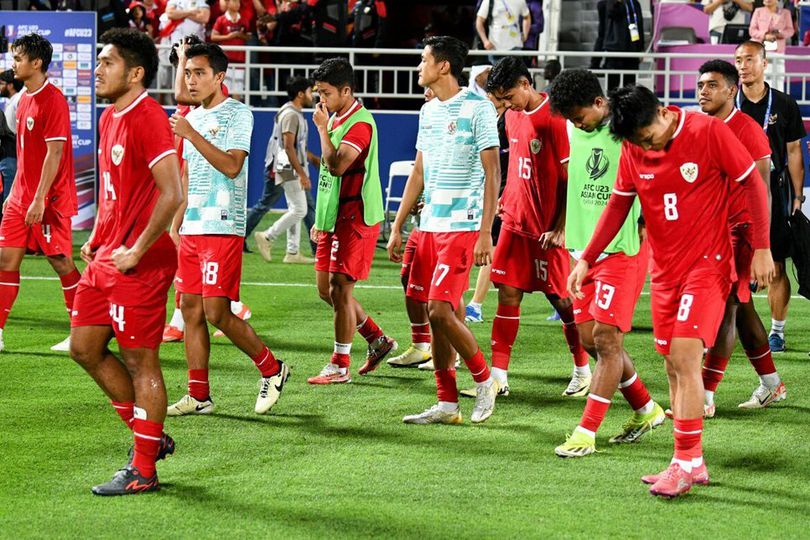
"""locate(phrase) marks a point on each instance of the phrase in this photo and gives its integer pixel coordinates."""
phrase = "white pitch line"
(359, 286)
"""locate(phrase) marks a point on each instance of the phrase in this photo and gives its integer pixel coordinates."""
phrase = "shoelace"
(328, 370)
(264, 387)
(761, 392)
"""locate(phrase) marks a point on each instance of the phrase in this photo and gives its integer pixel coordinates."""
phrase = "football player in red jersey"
(131, 258)
(37, 212)
(530, 255)
(680, 165)
(717, 87)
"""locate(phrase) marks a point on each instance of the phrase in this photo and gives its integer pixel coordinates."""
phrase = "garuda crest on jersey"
(535, 146)
(689, 171)
(597, 164)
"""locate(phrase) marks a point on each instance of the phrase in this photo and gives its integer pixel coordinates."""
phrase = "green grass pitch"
(339, 462)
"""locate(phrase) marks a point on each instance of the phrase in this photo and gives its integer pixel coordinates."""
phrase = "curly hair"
(335, 71)
(136, 48)
(506, 74)
(722, 67)
(632, 108)
(572, 89)
(35, 47)
(191, 39)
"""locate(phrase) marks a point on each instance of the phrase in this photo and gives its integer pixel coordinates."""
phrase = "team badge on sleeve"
(689, 171)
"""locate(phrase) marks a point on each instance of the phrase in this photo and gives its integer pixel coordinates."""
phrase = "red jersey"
(538, 146)
(683, 191)
(126, 155)
(351, 184)
(225, 26)
(42, 117)
(754, 139)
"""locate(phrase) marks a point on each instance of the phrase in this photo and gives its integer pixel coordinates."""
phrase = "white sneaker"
(189, 405)
(484, 402)
(579, 386)
(263, 245)
(434, 415)
(297, 258)
(764, 396)
(412, 357)
(503, 391)
(2, 343)
(62, 346)
(428, 366)
(270, 389)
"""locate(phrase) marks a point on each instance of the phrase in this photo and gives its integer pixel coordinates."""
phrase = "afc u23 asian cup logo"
(597, 164)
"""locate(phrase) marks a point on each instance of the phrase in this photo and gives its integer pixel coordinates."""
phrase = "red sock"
(688, 438)
(446, 388)
(420, 333)
(198, 386)
(266, 362)
(478, 366)
(761, 359)
(369, 330)
(147, 445)
(581, 356)
(341, 360)
(714, 367)
(595, 409)
(635, 392)
(70, 282)
(504, 331)
(125, 411)
(9, 287)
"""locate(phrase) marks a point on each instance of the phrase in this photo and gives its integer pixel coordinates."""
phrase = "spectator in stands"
(231, 29)
(329, 20)
(551, 70)
(181, 18)
(138, 19)
(779, 115)
(723, 12)
(288, 155)
(154, 9)
(370, 23)
(538, 23)
(771, 25)
(12, 90)
(478, 79)
(509, 27)
(621, 29)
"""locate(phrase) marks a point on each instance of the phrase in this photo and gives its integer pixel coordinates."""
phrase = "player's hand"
(642, 233)
(175, 235)
(499, 207)
(483, 249)
(797, 205)
(35, 211)
(181, 126)
(124, 258)
(488, 45)
(762, 269)
(552, 239)
(306, 183)
(321, 115)
(394, 246)
(576, 278)
(87, 252)
(314, 234)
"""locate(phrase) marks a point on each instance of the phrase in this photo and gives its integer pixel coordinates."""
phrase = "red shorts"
(53, 236)
(410, 250)
(209, 265)
(520, 262)
(134, 304)
(441, 266)
(612, 288)
(693, 309)
(348, 250)
(743, 255)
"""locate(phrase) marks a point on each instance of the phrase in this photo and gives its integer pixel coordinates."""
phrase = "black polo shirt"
(784, 125)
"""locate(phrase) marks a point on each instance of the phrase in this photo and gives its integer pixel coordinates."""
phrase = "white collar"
(354, 107)
(41, 88)
(131, 106)
(545, 100)
(681, 120)
(730, 116)
(238, 17)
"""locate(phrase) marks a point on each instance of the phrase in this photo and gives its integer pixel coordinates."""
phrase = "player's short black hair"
(552, 69)
(35, 47)
(214, 53)
(136, 48)
(632, 108)
(572, 89)
(7, 77)
(448, 49)
(506, 74)
(191, 39)
(755, 44)
(297, 84)
(728, 71)
(335, 71)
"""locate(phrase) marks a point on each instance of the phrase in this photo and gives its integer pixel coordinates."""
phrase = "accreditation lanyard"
(767, 110)
(628, 7)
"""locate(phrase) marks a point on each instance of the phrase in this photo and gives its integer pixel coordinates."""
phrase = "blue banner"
(73, 36)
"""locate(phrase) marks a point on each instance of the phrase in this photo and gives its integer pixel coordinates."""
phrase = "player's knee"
(587, 340)
(606, 341)
(439, 314)
(82, 355)
(216, 314)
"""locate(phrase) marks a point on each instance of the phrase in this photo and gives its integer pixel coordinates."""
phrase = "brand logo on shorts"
(29, 123)
(117, 154)
(649, 176)
(499, 271)
(536, 145)
(661, 341)
(689, 171)
(416, 287)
